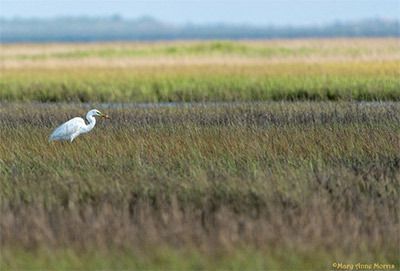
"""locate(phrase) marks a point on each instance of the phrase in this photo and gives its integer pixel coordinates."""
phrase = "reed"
(200, 186)
(321, 70)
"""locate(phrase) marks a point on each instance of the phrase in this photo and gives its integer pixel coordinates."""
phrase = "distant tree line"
(81, 29)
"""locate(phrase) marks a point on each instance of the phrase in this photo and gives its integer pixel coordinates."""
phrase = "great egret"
(76, 126)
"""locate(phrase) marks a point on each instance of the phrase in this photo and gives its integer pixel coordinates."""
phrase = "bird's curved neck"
(92, 123)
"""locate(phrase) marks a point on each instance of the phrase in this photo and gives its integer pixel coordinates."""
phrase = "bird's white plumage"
(76, 126)
(67, 130)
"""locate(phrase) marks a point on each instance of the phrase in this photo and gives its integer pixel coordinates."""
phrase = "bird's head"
(95, 112)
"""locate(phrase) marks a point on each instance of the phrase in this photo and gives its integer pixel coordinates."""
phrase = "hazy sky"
(205, 11)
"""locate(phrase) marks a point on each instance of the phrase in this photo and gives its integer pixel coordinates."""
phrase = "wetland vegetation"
(295, 163)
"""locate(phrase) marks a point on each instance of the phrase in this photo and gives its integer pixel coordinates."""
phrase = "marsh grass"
(320, 70)
(203, 186)
(287, 184)
(265, 49)
(364, 81)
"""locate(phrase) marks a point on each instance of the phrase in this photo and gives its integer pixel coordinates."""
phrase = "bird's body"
(76, 126)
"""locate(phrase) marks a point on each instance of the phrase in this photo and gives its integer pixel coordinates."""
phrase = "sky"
(258, 12)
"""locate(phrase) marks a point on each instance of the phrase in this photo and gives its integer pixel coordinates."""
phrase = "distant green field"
(253, 186)
(182, 49)
(264, 49)
(203, 71)
(203, 84)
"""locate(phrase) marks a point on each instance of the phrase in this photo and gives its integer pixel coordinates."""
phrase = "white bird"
(76, 126)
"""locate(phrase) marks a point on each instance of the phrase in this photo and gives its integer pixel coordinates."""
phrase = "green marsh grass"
(292, 82)
(215, 186)
(318, 70)
(306, 179)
